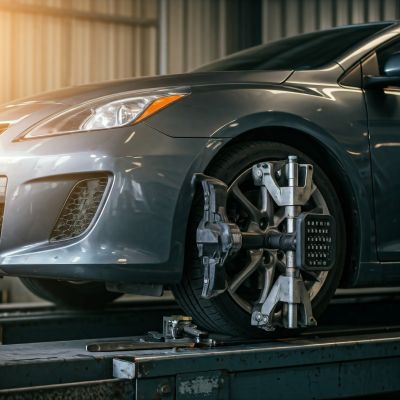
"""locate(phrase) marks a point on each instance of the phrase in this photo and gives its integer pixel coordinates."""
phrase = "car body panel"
(78, 94)
(140, 234)
(148, 171)
(384, 120)
(305, 103)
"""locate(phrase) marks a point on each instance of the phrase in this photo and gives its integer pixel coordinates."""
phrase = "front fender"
(299, 128)
(332, 116)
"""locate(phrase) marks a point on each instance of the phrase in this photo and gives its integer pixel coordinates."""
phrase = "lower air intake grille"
(79, 209)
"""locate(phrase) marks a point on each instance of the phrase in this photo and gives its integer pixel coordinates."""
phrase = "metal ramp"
(335, 360)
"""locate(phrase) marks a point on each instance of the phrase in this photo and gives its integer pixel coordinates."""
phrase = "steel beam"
(338, 359)
(330, 367)
(163, 7)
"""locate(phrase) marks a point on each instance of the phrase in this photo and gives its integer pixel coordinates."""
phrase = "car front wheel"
(230, 311)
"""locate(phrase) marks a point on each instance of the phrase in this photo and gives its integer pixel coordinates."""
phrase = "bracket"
(288, 290)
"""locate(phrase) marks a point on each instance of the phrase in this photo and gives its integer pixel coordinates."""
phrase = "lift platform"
(336, 359)
(43, 322)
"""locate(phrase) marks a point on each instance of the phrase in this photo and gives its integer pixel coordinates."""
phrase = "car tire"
(222, 314)
(69, 294)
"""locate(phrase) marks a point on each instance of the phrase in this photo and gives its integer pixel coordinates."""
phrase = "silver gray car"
(251, 187)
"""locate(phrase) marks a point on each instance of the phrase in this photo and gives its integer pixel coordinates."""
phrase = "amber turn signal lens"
(159, 104)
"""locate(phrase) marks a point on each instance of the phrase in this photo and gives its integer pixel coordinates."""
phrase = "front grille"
(3, 187)
(80, 209)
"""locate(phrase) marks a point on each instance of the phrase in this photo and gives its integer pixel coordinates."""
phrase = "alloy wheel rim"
(263, 262)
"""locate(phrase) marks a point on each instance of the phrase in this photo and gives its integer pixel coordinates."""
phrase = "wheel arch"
(329, 162)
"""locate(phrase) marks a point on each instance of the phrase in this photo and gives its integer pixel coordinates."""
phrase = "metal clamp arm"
(268, 240)
(216, 237)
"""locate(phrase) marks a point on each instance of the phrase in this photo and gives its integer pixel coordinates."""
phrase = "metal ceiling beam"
(163, 37)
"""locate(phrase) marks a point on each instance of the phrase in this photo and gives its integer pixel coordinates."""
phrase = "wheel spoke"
(255, 260)
(254, 213)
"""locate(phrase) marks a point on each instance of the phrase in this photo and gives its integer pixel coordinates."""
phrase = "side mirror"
(392, 65)
(391, 74)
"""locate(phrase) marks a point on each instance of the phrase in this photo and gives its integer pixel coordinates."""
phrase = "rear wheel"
(71, 294)
(247, 271)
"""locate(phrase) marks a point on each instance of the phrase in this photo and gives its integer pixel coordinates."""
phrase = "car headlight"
(107, 112)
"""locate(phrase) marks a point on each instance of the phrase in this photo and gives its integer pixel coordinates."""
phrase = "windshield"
(302, 52)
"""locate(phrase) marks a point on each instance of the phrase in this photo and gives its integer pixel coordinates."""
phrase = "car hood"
(87, 92)
(21, 114)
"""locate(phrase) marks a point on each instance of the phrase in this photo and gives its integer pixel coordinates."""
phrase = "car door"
(383, 108)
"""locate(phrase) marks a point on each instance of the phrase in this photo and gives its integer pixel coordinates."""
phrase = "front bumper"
(137, 235)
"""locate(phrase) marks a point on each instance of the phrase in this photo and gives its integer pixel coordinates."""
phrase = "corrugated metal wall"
(47, 44)
(283, 18)
(200, 31)
(196, 33)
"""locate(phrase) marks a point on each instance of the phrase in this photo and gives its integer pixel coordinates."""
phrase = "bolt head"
(258, 316)
(164, 389)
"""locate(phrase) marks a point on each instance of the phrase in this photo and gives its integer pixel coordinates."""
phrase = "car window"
(301, 52)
